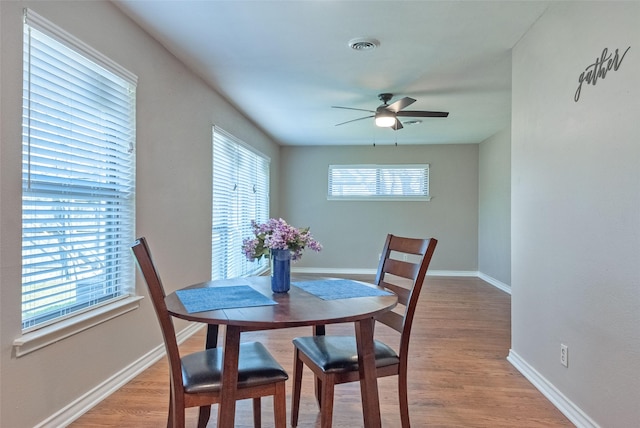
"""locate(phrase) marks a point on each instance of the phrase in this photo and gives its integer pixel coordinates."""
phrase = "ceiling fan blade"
(400, 104)
(351, 108)
(354, 120)
(419, 113)
(397, 125)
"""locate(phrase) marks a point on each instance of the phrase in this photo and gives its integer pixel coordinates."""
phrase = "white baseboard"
(468, 273)
(499, 285)
(351, 271)
(333, 271)
(346, 271)
(557, 398)
(86, 402)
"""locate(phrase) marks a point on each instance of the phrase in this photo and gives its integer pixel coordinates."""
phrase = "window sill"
(45, 336)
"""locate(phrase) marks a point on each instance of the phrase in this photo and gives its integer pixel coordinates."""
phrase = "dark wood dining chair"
(195, 378)
(334, 359)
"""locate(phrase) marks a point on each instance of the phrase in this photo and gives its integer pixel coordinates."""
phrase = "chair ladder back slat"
(403, 293)
(401, 268)
(409, 245)
(392, 319)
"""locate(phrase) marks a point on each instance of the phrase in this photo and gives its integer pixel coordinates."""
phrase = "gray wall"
(576, 209)
(353, 232)
(494, 207)
(175, 113)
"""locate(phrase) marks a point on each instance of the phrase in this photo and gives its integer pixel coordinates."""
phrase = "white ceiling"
(285, 63)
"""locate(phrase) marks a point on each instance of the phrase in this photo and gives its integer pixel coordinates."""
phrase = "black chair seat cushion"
(201, 370)
(339, 353)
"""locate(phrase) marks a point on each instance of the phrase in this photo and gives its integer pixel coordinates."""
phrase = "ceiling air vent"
(363, 44)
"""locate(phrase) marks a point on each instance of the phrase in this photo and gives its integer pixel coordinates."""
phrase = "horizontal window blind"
(240, 194)
(379, 182)
(78, 170)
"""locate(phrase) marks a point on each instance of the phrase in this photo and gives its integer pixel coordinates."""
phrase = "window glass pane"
(393, 182)
(353, 181)
(78, 182)
(240, 194)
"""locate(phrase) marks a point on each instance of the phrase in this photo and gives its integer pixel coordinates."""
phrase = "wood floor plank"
(459, 373)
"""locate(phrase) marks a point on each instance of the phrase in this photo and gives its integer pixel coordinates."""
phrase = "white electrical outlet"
(564, 355)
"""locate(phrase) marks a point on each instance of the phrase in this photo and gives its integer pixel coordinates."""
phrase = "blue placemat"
(213, 298)
(332, 289)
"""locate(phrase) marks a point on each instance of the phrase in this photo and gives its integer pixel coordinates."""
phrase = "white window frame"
(240, 194)
(68, 171)
(368, 182)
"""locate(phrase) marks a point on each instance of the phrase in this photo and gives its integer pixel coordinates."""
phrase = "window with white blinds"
(240, 194)
(78, 174)
(379, 182)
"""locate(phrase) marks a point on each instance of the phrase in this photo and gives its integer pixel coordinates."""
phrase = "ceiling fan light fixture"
(385, 120)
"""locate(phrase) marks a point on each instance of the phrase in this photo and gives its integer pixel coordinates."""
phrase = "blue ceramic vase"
(280, 271)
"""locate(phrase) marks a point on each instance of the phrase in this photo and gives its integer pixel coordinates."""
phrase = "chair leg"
(280, 405)
(176, 410)
(179, 418)
(326, 411)
(318, 384)
(403, 399)
(319, 330)
(257, 413)
(297, 386)
(170, 416)
(203, 416)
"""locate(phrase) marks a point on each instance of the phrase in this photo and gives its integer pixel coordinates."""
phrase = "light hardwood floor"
(460, 376)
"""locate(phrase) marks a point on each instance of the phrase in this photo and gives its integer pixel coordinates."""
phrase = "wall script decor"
(599, 69)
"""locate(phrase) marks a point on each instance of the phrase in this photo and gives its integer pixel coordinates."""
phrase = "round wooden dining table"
(293, 309)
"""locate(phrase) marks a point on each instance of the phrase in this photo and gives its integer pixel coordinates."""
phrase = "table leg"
(319, 330)
(368, 378)
(211, 342)
(231, 353)
(212, 336)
